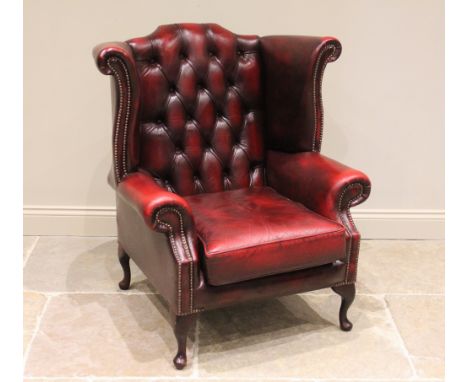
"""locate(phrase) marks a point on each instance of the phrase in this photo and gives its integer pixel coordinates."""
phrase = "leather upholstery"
(320, 183)
(293, 69)
(222, 195)
(282, 284)
(200, 116)
(140, 199)
(116, 59)
(326, 187)
(255, 232)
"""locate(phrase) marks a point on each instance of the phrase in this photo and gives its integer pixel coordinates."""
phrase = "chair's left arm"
(325, 186)
(293, 70)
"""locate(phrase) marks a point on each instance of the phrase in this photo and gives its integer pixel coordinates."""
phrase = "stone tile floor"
(78, 326)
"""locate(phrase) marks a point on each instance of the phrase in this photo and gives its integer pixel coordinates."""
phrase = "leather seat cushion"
(255, 232)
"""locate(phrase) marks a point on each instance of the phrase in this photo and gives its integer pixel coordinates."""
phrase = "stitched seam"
(348, 213)
(120, 109)
(306, 239)
(179, 260)
(176, 254)
(357, 254)
(220, 283)
(318, 104)
(353, 226)
(343, 283)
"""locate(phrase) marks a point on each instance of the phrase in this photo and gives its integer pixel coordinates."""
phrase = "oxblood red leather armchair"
(222, 193)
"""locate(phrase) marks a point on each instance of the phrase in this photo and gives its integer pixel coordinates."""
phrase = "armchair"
(222, 193)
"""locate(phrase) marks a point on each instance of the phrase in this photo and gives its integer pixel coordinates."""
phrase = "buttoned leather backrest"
(200, 117)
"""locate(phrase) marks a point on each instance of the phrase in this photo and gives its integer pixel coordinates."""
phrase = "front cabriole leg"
(347, 293)
(182, 327)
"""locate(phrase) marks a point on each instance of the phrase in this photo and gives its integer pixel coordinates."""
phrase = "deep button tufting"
(197, 104)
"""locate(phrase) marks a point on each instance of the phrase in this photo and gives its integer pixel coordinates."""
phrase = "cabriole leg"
(182, 326)
(347, 293)
(124, 260)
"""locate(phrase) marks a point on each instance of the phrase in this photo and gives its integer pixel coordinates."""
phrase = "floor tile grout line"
(427, 357)
(129, 293)
(56, 294)
(405, 294)
(315, 293)
(246, 379)
(196, 341)
(400, 339)
(380, 379)
(36, 330)
(28, 254)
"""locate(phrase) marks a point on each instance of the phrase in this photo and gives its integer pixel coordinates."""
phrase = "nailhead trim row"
(318, 103)
(178, 259)
(122, 88)
(353, 226)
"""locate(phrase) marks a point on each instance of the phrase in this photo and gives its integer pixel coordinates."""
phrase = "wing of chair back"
(148, 216)
(293, 67)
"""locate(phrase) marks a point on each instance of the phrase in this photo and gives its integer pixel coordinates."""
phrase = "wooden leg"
(182, 326)
(124, 260)
(347, 293)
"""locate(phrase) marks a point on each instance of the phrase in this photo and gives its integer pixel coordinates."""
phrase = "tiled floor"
(78, 326)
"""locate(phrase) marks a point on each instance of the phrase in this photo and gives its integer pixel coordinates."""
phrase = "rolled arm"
(320, 183)
(156, 229)
(103, 52)
(151, 201)
(325, 186)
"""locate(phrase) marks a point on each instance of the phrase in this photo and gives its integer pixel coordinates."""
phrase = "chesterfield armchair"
(222, 194)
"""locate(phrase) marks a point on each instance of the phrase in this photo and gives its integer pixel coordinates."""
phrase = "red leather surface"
(255, 232)
(200, 116)
(116, 59)
(155, 227)
(282, 284)
(196, 110)
(320, 183)
(293, 68)
(146, 196)
(326, 187)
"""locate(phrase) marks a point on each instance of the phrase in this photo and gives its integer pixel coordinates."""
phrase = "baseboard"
(400, 224)
(100, 221)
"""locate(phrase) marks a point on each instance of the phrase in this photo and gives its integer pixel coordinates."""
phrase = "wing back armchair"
(222, 193)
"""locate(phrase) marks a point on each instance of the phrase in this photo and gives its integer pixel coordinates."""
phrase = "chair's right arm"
(156, 228)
